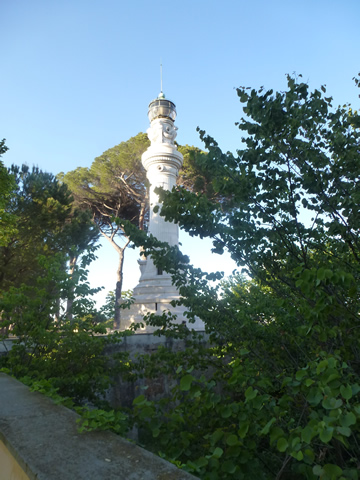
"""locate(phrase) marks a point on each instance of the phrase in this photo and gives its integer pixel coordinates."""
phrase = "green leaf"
(156, 432)
(244, 351)
(298, 455)
(317, 470)
(309, 456)
(355, 388)
(348, 420)
(332, 470)
(314, 396)
(346, 391)
(300, 374)
(243, 429)
(321, 274)
(229, 466)
(275, 433)
(185, 382)
(226, 411)
(217, 453)
(295, 441)
(308, 382)
(140, 400)
(351, 474)
(266, 429)
(201, 462)
(282, 444)
(321, 366)
(330, 403)
(326, 434)
(307, 434)
(232, 440)
(345, 431)
(250, 393)
(216, 436)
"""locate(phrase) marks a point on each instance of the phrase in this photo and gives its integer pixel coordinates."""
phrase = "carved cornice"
(172, 159)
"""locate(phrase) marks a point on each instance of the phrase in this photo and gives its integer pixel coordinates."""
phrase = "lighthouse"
(162, 162)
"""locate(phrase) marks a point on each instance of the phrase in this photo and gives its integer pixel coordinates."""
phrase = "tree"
(6, 187)
(293, 192)
(58, 357)
(46, 224)
(40, 207)
(82, 238)
(287, 334)
(6, 183)
(40, 269)
(115, 186)
(192, 175)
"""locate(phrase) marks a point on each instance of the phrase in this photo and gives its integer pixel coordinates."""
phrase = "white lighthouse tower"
(162, 162)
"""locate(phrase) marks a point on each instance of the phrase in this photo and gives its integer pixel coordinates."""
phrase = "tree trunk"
(119, 275)
(70, 299)
(143, 208)
(118, 289)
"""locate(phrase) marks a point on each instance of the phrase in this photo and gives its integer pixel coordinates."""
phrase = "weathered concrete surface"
(44, 440)
(123, 392)
(6, 345)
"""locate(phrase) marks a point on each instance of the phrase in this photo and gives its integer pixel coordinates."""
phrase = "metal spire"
(161, 94)
(161, 76)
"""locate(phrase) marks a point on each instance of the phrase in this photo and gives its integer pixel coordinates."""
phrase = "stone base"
(155, 296)
(157, 306)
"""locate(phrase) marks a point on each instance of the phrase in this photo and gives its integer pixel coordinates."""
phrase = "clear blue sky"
(77, 76)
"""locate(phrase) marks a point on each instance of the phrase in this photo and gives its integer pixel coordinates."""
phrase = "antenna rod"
(161, 83)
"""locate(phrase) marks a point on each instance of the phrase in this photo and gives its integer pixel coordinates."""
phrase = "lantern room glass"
(161, 108)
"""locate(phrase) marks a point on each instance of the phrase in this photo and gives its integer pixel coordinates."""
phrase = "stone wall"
(123, 392)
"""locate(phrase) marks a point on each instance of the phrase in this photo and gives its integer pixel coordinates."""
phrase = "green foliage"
(114, 186)
(59, 346)
(45, 387)
(7, 185)
(274, 394)
(46, 224)
(256, 424)
(70, 355)
(6, 182)
(193, 176)
(90, 418)
(98, 419)
(280, 397)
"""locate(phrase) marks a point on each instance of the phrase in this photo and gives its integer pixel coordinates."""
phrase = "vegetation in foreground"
(276, 395)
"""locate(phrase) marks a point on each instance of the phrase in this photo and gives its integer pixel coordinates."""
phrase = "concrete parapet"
(43, 440)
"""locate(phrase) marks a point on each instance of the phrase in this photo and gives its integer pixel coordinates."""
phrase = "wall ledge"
(44, 440)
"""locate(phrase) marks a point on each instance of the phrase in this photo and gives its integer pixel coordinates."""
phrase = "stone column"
(162, 162)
